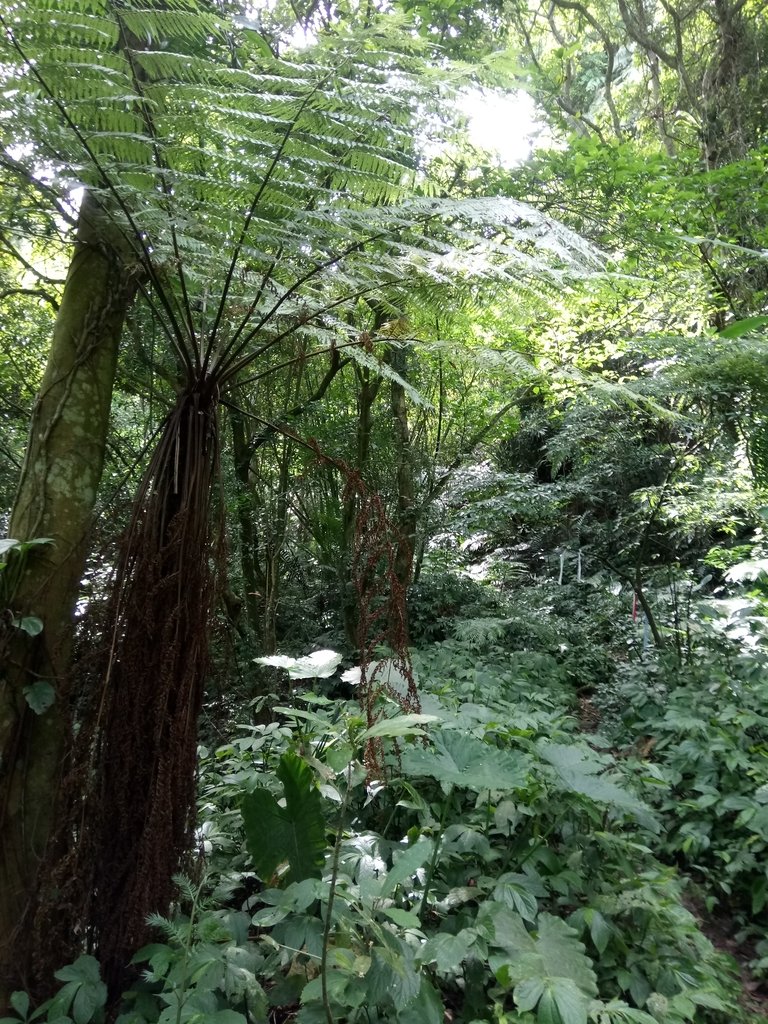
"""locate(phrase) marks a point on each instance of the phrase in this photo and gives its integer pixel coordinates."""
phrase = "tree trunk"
(407, 510)
(369, 390)
(55, 498)
(253, 576)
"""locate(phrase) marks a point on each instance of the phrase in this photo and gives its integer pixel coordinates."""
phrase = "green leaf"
(462, 760)
(268, 917)
(40, 695)
(406, 865)
(20, 1002)
(403, 918)
(318, 665)
(446, 951)
(90, 997)
(158, 955)
(739, 327)
(562, 1003)
(84, 992)
(620, 1011)
(579, 772)
(62, 1001)
(338, 756)
(85, 968)
(554, 951)
(401, 725)
(29, 624)
(528, 993)
(336, 982)
(599, 930)
(515, 893)
(295, 833)
(391, 978)
(426, 1008)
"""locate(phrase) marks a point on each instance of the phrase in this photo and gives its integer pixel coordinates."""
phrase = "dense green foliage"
(493, 440)
(504, 869)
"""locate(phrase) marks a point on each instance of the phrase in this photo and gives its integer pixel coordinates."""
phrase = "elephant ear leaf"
(293, 834)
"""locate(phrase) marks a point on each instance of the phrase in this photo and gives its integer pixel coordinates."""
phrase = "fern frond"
(479, 632)
(281, 187)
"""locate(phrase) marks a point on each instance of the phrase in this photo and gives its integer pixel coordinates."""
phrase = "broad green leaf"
(276, 661)
(62, 1001)
(740, 327)
(580, 773)
(515, 893)
(40, 695)
(338, 756)
(405, 865)
(503, 927)
(9, 544)
(29, 624)
(295, 833)
(462, 760)
(709, 999)
(446, 951)
(751, 569)
(599, 930)
(336, 981)
(90, 997)
(158, 955)
(552, 951)
(403, 918)
(562, 1003)
(85, 968)
(306, 716)
(401, 725)
(392, 978)
(20, 1003)
(617, 1010)
(426, 1008)
(268, 917)
(528, 993)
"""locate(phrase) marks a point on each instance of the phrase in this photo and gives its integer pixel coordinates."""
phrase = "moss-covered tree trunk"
(55, 498)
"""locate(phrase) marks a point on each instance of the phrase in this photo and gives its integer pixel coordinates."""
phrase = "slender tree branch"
(29, 267)
(62, 209)
(235, 368)
(261, 439)
(296, 359)
(40, 293)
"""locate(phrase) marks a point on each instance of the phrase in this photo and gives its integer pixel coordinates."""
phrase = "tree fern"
(261, 197)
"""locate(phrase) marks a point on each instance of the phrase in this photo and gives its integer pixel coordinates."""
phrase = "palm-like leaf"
(261, 195)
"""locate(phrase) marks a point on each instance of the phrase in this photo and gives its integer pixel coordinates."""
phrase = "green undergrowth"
(495, 865)
(703, 732)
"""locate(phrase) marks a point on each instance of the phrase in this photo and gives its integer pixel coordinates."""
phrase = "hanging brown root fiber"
(129, 797)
